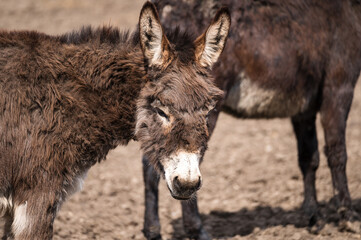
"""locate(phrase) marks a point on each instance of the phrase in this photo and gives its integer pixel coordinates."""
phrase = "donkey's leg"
(334, 112)
(192, 221)
(308, 160)
(7, 226)
(34, 216)
(151, 228)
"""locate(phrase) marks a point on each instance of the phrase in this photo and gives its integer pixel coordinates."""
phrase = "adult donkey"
(283, 59)
(67, 100)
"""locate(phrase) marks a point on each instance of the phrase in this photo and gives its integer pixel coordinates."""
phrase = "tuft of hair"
(101, 35)
(182, 43)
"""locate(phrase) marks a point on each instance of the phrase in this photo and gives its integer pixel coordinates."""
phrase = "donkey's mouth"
(180, 198)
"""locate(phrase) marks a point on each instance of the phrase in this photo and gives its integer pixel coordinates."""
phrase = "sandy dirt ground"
(252, 185)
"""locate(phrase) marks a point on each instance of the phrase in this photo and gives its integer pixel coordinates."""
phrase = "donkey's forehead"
(187, 90)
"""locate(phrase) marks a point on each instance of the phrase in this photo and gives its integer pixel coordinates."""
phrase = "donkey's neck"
(113, 76)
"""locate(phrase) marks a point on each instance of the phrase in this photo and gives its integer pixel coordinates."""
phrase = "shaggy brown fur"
(283, 59)
(67, 100)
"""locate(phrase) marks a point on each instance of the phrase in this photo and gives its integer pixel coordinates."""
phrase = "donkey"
(67, 100)
(283, 59)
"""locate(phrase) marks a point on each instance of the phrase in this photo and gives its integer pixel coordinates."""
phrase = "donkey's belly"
(247, 99)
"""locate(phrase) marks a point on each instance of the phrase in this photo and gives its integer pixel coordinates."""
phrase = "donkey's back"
(27, 86)
(285, 52)
(279, 52)
(40, 92)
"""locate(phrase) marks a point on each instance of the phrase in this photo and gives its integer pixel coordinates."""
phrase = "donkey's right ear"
(210, 44)
(154, 44)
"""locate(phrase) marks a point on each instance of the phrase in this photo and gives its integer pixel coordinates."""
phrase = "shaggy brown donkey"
(283, 59)
(67, 100)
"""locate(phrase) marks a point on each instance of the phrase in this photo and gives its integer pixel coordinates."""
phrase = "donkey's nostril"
(176, 182)
(183, 189)
(180, 185)
(199, 183)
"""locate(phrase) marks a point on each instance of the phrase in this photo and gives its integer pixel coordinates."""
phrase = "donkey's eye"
(161, 113)
(209, 113)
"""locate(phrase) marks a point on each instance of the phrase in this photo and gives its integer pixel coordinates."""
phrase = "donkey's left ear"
(154, 43)
(210, 44)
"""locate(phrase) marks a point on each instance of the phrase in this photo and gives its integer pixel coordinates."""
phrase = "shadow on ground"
(222, 224)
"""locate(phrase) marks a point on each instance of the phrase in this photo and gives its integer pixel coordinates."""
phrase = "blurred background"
(58, 16)
(252, 185)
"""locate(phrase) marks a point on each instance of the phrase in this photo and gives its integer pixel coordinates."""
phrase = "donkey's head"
(173, 106)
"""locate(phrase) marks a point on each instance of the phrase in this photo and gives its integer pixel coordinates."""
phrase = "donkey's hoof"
(349, 220)
(203, 235)
(348, 214)
(152, 233)
(154, 237)
(200, 234)
(316, 222)
(348, 226)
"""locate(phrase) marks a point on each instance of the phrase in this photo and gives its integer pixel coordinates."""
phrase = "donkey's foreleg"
(334, 112)
(7, 226)
(151, 228)
(308, 160)
(192, 221)
(33, 216)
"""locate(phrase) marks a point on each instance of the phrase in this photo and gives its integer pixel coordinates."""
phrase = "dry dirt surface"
(252, 185)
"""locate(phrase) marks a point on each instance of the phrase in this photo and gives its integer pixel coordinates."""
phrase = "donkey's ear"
(154, 44)
(211, 43)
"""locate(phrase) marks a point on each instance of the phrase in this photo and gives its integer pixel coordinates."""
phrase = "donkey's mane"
(100, 35)
(181, 41)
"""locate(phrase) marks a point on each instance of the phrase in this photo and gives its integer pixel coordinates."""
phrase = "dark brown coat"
(283, 59)
(67, 100)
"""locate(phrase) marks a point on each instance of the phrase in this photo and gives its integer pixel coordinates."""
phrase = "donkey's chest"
(249, 99)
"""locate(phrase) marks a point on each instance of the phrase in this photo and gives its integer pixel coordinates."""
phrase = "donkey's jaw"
(182, 174)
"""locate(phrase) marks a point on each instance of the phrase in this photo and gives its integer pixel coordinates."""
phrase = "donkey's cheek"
(166, 125)
(167, 128)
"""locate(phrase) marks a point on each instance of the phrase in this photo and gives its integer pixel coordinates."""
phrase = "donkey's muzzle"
(181, 172)
(184, 189)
